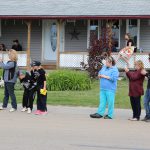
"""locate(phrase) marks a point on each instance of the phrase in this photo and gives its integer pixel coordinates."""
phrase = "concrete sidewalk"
(71, 128)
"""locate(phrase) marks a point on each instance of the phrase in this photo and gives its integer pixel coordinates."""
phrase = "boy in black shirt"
(29, 84)
(40, 77)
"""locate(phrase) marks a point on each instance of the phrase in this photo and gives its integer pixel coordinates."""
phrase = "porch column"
(58, 43)
(28, 43)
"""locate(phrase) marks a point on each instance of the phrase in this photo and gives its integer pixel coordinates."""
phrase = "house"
(57, 32)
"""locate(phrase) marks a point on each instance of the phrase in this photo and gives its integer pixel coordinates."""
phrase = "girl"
(10, 78)
(40, 77)
(108, 83)
(136, 90)
(126, 53)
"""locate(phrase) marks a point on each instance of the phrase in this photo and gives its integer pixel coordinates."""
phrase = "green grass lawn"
(82, 98)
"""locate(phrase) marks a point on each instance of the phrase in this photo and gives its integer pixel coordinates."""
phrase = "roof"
(74, 8)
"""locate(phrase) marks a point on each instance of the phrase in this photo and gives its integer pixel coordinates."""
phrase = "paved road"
(70, 128)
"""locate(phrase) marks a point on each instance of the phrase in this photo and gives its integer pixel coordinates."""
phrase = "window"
(94, 28)
(93, 31)
(53, 36)
(133, 27)
(116, 33)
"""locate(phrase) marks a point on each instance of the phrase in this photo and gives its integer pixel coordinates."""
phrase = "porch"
(74, 59)
(64, 43)
(70, 57)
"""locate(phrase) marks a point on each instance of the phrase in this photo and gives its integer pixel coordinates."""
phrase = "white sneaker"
(133, 119)
(2, 108)
(29, 111)
(12, 110)
(24, 109)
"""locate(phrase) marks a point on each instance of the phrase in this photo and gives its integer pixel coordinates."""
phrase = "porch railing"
(22, 58)
(74, 59)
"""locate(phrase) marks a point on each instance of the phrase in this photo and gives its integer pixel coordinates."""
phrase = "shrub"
(61, 80)
(1, 73)
(98, 50)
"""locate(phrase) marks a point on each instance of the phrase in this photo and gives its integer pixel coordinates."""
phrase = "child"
(27, 80)
(39, 75)
(10, 78)
(108, 83)
(136, 90)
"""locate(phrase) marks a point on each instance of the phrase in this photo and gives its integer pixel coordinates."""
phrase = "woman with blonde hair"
(136, 79)
(10, 78)
(126, 53)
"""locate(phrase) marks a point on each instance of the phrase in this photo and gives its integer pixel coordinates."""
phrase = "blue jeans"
(147, 103)
(9, 91)
(106, 97)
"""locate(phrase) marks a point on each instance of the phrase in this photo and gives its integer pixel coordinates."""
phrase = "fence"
(22, 58)
(74, 59)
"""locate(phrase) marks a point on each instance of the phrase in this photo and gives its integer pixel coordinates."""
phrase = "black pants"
(136, 106)
(41, 101)
(9, 91)
(28, 98)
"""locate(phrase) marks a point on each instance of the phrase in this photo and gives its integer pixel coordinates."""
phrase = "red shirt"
(136, 80)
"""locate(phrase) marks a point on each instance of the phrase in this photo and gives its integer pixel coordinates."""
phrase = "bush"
(1, 73)
(99, 50)
(61, 80)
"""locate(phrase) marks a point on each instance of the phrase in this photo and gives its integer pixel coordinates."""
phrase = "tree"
(99, 49)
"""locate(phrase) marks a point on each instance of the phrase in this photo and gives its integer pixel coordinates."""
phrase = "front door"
(49, 40)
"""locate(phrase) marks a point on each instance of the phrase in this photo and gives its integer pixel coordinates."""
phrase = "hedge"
(61, 80)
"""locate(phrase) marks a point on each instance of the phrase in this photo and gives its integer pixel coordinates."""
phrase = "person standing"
(136, 90)
(108, 83)
(147, 96)
(40, 78)
(10, 78)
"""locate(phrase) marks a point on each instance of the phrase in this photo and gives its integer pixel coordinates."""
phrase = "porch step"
(49, 66)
